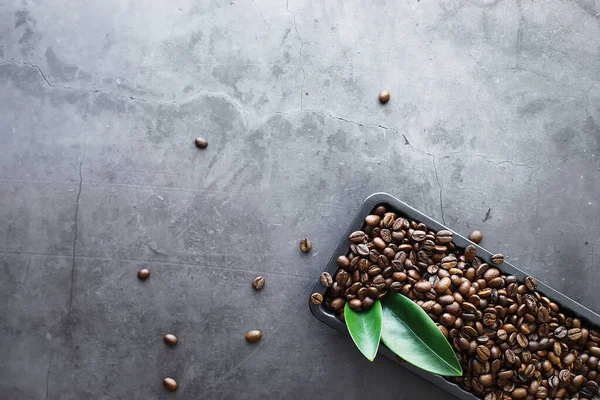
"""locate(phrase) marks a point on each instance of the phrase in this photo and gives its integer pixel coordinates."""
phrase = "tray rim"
(324, 315)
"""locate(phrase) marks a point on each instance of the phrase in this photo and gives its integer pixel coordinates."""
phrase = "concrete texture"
(494, 124)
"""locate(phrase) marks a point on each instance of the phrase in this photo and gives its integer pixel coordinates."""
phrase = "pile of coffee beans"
(512, 342)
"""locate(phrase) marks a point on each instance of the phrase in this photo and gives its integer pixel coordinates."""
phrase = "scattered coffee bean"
(476, 236)
(356, 304)
(259, 282)
(170, 339)
(305, 245)
(253, 336)
(170, 384)
(384, 97)
(201, 143)
(143, 274)
(316, 298)
(497, 259)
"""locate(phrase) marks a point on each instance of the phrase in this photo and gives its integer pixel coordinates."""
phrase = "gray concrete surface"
(495, 106)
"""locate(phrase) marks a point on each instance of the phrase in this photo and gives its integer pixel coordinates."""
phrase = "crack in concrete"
(206, 93)
(519, 41)
(48, 379)
(76, 233)
(437, 178)
(287, 5)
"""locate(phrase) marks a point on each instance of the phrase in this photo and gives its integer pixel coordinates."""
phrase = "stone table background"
(494, 124)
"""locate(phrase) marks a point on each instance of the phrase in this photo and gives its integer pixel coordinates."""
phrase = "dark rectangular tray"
(328, 316)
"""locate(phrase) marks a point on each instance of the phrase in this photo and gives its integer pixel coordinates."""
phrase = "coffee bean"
(317, 298)
(418, 236)
(170, 384)
(522, 340)
(483, 353)
(444, 236)
(423, 286)
(519, 393)
(372, 220)
(367, 303)
(497, 259)
(475, 236)
(253, 336)
(259, 282)
(355, 304)
(531, 283)
(560, 332)
(510, 357)
(170, 339)
(486, 380)
(325, 279)
(143, 274)
(470, 252)
(337, 303)
(201, 143)
(574, 334)
(305, 245)
(578, 380)
(357, 237)
(384, 97)
(443, 285)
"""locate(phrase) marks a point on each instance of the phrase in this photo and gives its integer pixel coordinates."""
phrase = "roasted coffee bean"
(342, 277)
(143, 274)
(497, 259)
(379, 243)
(317, 298)
(362, 293)
(170, 384)
(259, 282)
(388, 220)
(170, 339)
(367, 303)
(396, 286)
(305, 245)
(418, 236)
(531, 283)
(337, 303)
(358, 236)
(560, 332)
(510, 357)
(201, 143)
(380, 210)
(355, 304)
(373, 220)
(422, 286)
(443, 236)
(574, 334)
(483, 353)
(443, 285)
(253, 336)
(343, 262)
(475, 236)
(522, 340)
(470, 252)
(384, 97)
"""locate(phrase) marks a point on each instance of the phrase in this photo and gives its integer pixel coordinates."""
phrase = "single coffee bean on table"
(170, 339)
(170, 384)
(305, 245)
(475, 236)
(384, 97)
(143, 274)
(201, 143)
(258, 283)
(513, 342)
(253, 336)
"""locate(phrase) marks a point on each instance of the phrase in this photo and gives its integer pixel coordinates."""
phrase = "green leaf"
(411, 334)
(365, 329)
